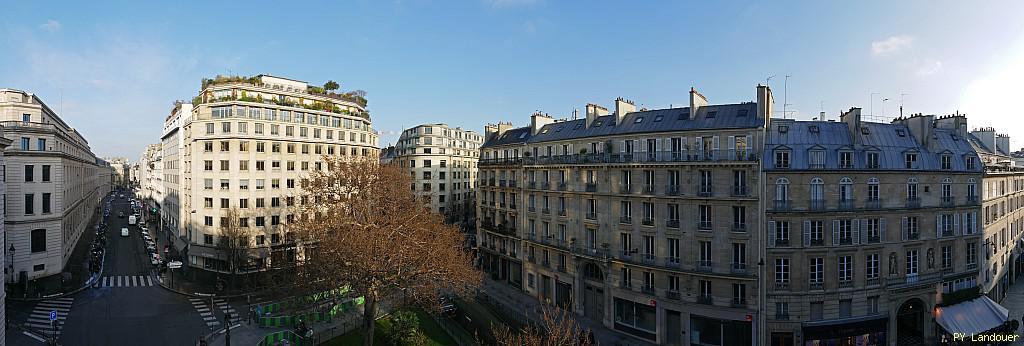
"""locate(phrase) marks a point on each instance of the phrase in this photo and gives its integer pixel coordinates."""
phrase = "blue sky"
(115, 68)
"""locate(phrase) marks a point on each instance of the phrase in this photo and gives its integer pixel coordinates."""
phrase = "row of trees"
(360, 226)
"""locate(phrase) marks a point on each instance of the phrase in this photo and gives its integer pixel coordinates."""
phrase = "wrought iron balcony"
(873, 204)
(872, 281)
(625, 255)
(740, 191)
(672, 262)
(545, 211)
(648, 258)
(972, 200)
(705, 299)
(502, 183)
(782, 285)
(648, 289)
(562, 212)
(674, 295)
(545, 185)
(591, 187)
(562, 186)
(704, 266)
(913, 202)
(647, 222)
(705, 191)
(531, 209)
(626, 189)
(704, 225)
(816, 285)
(649, 189)
(625, 219)
(738, 268)
(846, 204)
(739, 227)
(845, 283)
(672, 223)
(531, 185)
(817, 204)
(781, 205)
(948, 201)
(591, 216)
(672, 190)
(739, 302)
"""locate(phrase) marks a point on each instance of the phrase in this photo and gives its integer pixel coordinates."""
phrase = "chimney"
(696, 102)
(537, 121)
(1003, 144)
(594, 111)
(852, 120)
(956, 122)
(495, 130)
(987, 137)
(765, 103)
(623, 107)
(920, 126)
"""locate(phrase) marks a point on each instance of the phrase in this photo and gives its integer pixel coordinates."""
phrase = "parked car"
(124, 232)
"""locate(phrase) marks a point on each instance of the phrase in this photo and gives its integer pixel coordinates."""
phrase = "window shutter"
(966, 229)
(750, 144)
(938, 226)
(956, 225)
(714, 143)
(881, 229)
(974, 222)
(807, 233)
(863, 231)
(835, 232)
(856, 230)
(642, 144)
(771, 233)
(905, 230)
(622, 147)
(732, 147)
(698, 145)
(682, 144)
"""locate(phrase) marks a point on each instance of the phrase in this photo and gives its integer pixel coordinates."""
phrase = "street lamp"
(227, 329)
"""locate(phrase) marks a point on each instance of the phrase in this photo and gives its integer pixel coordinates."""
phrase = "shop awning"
(972, 316)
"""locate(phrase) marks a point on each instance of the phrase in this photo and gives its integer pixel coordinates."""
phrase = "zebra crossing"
(206, 311)
(124, 281)
(39, 319)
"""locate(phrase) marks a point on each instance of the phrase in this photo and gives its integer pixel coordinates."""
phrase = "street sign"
(53, 315)
(174, 265)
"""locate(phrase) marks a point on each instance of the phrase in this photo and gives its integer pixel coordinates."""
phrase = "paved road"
(126, 306)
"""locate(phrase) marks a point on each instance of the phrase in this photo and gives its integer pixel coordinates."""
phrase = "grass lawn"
(435, 335)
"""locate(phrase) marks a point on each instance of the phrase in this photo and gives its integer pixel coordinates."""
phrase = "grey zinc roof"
(511, 136)
(725, 117)
(833, 137)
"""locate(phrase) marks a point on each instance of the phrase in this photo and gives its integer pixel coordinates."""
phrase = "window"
(912, 263)
(871, 266)
(46, 173)
(845, 269)
(845, 159)
(225, 203)
(970, 163)
(29, 204)
(208, 221)
(781, 159)
(208, 184)
(815, 232)
(781, 272)
(207, 165)
(947, 257)
(947, 161)
(208, 238)
(912, 189)
(872, 160)
(781, 233)
(816, 272)
(29, 170)
(41, 144)
(705, 217)
(873, 189)
(910, 160)
(25, 143)
(781, 190)
(817, 159)
(739, 294)
(46, 202)
(38, 240)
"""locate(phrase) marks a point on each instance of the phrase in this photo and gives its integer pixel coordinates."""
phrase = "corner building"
(246, 146)
(645, 220)
(867, 224)
(443, 163)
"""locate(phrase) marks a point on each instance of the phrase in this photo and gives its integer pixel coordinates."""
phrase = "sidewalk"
(77, 266)
(1014, 302)
(525, 305)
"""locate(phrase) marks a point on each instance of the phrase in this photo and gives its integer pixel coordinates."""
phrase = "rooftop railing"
(649, 157)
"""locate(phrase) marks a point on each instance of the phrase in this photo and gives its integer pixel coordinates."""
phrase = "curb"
(201, 294)
(92, 280)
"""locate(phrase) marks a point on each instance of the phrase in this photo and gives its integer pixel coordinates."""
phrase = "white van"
(124, 232)
(131, 219)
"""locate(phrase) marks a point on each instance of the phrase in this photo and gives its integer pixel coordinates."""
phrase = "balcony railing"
(817, 204)
(531, 185)
(545, 185)
(647, 222)
(739, 302)
(913, 202)
(672, 223)
(816, 285)
(705, 299)
(562, 212)
(658, 156)
(591, 251)
(672, 261)
(591, 216)
(782, 285)
(846, 204)
(531, 209)
(739, 227)
(845, 283)
(591, 187)
(972, 200)
(674, 295)
(545, 211)
(740, 191)
(625, 255)
(704, 225)
(738, 268)
(672, 190)
(872, 281)
(561, 268)
(561, 186)
(648, 258)
(873, 204)
(948, 201)
(782, 204)
(704, 266)
(705, 191)
(626, 189)
(648, 289)
(502, 183)
(649, 189)
(625, 219)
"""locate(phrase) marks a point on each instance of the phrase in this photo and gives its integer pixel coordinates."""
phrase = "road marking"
(33, 336)
(149, 279)
(133, 281)
(105, 283)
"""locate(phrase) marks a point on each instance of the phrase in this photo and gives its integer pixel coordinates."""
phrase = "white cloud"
(50, 25)
(929, 67)
(890, 45)
(510, 3)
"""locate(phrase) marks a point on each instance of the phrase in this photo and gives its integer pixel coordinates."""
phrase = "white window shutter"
(698, 145)
(863, 231)
(856, 230)
(732, 147)
(938, 226)
(622, 147)
(714, 149)
(771, 233)
(974, 222)
(905, 230)
(807, 233)
(750, 144)
(881, 229)
(966, 229)
(956, 225)
(835, 232)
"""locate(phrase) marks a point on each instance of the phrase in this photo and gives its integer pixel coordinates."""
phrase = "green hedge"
(960, 296)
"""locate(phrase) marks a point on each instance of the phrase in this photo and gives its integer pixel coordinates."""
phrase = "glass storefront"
(636, 319)
(860, 333)
(715, 332)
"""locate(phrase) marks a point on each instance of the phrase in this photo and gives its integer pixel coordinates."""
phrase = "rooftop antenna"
(883, 108)
(769, 79)
(872, 97)
(901, 103)
(785, 96)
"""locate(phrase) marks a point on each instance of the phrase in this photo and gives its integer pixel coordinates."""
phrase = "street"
(126, 306)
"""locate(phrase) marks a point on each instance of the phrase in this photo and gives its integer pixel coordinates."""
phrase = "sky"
(113, 69)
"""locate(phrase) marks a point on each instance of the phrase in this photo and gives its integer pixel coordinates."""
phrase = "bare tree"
(235, 236)
(558, 328)
(363, 227)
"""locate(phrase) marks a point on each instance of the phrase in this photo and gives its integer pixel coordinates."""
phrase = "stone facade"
(443, 163)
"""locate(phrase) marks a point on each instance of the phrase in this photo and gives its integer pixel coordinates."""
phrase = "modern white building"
(172, 143)
(4, 143)
(151, 186)
(247, 146)
(54, 185)
(443, 164)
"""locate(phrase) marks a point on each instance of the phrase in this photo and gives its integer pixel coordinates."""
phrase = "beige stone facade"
(247, 145)
(443, 163)
(644, 220)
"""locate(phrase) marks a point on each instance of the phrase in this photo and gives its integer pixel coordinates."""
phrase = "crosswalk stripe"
(212, 323)
(66, 299)
(149, 279)
(105, 281)
(133, 281)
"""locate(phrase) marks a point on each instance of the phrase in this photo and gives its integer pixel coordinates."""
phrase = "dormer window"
(814, 129)
(864, 131)
(947, 161)
(522, 135)
(910, 160)
(658, 118)
(781, 158)
(578, 125)
(741, 113)
(638, 120)
(711, 114)
(683, 116)
(559, 129)
(783, 128)
(545, 130)
(970, 163)
(817, 159)
(872, 160)
(597, 123)
(901, 133)
(845, 159)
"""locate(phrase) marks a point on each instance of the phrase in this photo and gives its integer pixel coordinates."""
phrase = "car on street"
(124, 232)
(120, 214)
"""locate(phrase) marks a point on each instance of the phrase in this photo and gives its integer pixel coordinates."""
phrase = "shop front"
(713, 331)
(868, 330)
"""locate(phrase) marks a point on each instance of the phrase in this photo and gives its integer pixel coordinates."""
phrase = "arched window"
(912, 189)
(947, 190)
(845, 189)
(782, 189)
(872, 189)
(972, 190)
(817, 189)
